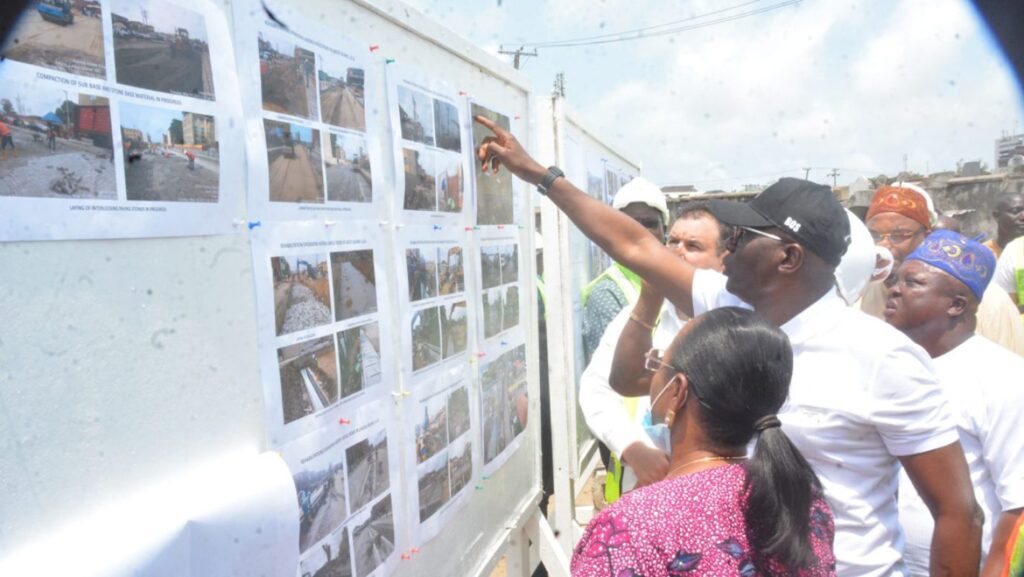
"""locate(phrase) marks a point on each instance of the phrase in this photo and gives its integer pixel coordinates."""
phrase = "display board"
(570, 262)
(366, 315)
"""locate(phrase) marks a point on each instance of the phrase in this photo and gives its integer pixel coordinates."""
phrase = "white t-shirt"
(862, 395)
(607, 413)
(985, 386)
(1010, 261)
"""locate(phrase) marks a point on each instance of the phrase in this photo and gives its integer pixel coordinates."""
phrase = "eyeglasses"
(738, 231)
(894, 237)
(653, 362)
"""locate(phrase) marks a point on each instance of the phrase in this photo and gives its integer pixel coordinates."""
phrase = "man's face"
(899, 234)
(1010, 217)
(647, 216)
(749, 262)
(695, 240)
(919, 295)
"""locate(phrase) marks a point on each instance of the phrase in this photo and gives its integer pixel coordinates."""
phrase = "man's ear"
(793, 256)
(957, 306)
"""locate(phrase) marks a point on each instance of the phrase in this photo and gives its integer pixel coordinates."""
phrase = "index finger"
(490, 124)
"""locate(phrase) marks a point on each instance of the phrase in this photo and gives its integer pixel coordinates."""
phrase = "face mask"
(660, 434)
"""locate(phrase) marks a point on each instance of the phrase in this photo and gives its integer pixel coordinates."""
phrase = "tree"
(7, 105)
(64, 111)
(177, 132)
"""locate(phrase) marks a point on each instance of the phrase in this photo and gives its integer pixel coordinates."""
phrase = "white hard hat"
(857, 265)
(643, 191)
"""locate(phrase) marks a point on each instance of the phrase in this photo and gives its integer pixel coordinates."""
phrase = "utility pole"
(517, 54)
(807, 173)
(834, 174)
(904, 162)
(560, 84)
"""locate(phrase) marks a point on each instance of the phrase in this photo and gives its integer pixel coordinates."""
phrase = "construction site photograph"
(347, 167)
(419, 180)
(309, 377)
(294, 162)
(460, 464)
(320, 488)
(449, 183)
(490, 266)
(60, 144)
(509, 254)
(301, 292)
(421, 271)
(426, 338)
(493, 191)
(333, 558)
(434, 486)
(432, 428)
(447, 126)
(341, 93)
(359, 353)
(416, 115)
(493, 416)
(161, 46)
(62, 35)
(492, 304)
(169, 155)
(454, 329)
(373, 540)
(510, 310)
(458, 412)
(518, 403)
(355, 284)
(450, 271)
(287, 76)
(368, 469)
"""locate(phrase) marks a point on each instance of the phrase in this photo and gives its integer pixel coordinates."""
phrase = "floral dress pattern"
(686, 527)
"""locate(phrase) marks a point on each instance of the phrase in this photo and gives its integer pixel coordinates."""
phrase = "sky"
(152, 121)
(163, 16)
(855, 85)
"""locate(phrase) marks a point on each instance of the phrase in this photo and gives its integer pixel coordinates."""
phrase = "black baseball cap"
(804, 210)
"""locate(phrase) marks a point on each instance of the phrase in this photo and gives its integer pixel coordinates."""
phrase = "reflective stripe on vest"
(627, 281)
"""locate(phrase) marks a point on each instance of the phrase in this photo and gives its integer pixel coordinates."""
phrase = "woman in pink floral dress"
(718, 513)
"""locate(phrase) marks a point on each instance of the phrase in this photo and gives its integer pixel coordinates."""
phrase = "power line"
(626, 36)
(637, 30)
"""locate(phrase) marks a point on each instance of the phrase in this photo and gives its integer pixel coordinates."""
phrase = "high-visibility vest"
(627, 281)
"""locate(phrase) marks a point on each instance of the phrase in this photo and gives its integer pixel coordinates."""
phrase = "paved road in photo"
(296, 179)
(340, 107)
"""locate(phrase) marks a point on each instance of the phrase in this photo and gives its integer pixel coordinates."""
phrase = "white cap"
(643, 191)
(857, 265)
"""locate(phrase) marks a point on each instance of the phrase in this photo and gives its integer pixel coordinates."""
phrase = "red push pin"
(501, 227)
(415, 550)
(469, 228)
(481, 355)
(462, 93)
(344, 421)
(374, 47)
(406, 557)
(516, 117)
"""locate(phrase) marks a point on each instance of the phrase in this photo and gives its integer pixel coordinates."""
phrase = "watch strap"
(554, 173)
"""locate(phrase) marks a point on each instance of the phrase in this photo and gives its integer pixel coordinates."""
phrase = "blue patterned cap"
(965, 259)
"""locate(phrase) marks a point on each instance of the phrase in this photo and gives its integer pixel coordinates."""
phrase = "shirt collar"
(815, 319)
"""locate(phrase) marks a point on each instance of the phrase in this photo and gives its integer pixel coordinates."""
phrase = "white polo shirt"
(606, 411)
(862, 395)
(985, 386)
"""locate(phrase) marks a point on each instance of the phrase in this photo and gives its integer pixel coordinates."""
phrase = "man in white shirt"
(934, 302)
(864, 398)
(699, 239)
(1010, 271)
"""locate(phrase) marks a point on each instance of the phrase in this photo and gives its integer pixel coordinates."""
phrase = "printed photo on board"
(359, 353)
(301, 292)
(432, 428)
(287, 76)
(333, 558)
(450, 273)
(453, 329)
(169, 155)
(321, 494)
(434, 486)
(415, 112)
(373, 541)
(458, 412)
(161, 46)
(426, 338)
(62, 35)
(55, 144)
(355, 284)
(421, 270)
(449, 183)
(493, 191)
(294, 162)
(419, 180)
(509, 255)
(510, 308)
(309, 377)
(347, 167)
(446, 122)
(460, 464)
(341, 94)
(492, 304)
(368, 469)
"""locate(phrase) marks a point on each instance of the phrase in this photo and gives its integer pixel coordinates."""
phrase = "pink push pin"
(374, 47)
(344, 421)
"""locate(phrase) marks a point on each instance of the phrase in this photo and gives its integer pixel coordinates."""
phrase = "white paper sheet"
(124, 122)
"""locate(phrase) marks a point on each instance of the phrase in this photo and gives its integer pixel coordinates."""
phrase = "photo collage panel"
(313, 292)
(499, 297)
(436, 274)
(444, 461)
(503, 401)
(317, 149)
(432, 161)
(494, 192)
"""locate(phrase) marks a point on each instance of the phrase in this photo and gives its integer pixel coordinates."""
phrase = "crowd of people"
(772, 406)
